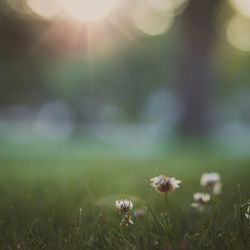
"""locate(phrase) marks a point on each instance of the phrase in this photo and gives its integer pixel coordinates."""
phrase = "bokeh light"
(238, 32)
(54, 121)
(242, 6)
(170, 7)
(86, 10)
(45, 8)
(149, 21)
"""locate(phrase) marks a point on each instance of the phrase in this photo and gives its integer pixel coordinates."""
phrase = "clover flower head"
(200, 200)
(124, 205)
(208, 178)
(201, 197)
(212, 181)
(164, 184)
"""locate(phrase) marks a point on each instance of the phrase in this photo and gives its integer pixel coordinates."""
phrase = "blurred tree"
(21, 74)
(196, 73)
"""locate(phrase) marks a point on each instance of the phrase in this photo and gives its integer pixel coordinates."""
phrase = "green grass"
(41, 198)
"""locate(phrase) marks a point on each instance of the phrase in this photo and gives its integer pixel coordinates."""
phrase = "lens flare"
(242, 6)
(45, 8)
(172, 7)
(151, 22)
(89, 10)
(238, 33)
(19, 5)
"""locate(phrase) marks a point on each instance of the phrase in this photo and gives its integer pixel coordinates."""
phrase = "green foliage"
(41, 201)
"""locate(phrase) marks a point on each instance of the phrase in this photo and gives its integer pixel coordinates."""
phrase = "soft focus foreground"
(115, 117)
(66, 203)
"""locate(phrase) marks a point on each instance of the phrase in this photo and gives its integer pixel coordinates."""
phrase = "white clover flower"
(201, 197)
(211, 181)
(174, 183)
(200, 200)
(124, 205)
(247, 214)
(164, 184)
(208, 178)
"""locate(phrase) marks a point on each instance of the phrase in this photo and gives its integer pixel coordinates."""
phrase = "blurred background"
(124, 77)
(99, 96)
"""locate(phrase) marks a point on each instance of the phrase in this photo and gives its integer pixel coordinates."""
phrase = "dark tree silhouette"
(197, 78)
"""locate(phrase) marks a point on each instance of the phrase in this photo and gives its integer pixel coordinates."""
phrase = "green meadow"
(65, 199)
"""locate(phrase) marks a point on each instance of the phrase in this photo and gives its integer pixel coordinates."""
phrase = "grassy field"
(42, 194)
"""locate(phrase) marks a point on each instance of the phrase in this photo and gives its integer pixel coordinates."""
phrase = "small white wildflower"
(202, 197)
(211, 181)
(247, 214)
(174, 183)
(124, 205)
(164, 184)
(208, 178)
(200, 200)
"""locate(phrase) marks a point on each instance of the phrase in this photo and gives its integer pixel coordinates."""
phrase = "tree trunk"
(196, 75)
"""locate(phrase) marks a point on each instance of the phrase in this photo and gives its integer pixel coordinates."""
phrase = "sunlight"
(89, 10)
(45, 8)
(172, 7)
(238, 33)
(19, 6)
(151, 22)
(242, 6)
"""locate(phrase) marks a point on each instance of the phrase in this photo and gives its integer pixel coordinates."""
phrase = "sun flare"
(89, 10)
(47, 9)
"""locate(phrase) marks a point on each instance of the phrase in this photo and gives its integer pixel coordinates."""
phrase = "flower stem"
(166, 201)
